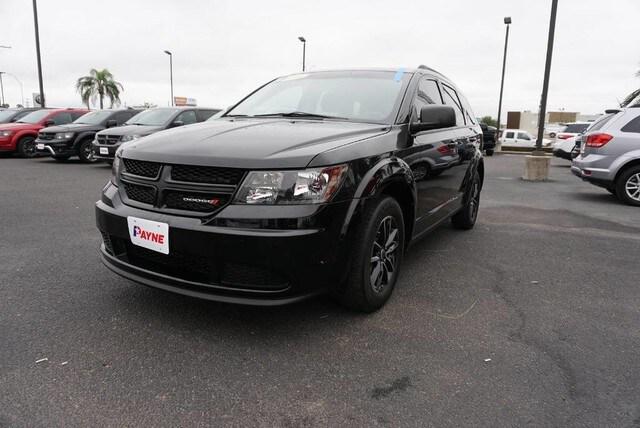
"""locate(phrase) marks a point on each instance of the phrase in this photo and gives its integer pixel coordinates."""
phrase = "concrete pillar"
(536, 168)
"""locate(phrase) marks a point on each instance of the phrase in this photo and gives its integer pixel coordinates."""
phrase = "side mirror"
(434, 117)
(111, 123)
(176, 124)
(49, 122)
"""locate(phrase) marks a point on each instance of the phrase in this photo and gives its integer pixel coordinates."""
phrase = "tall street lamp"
(19, 83)
(171, 74)
(1, 86)
(507, 21)
(304, 49)
(35, 25)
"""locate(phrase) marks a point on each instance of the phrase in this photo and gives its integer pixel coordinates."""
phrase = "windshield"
(155, 117)
(94, 118)
(6, 115)
(364, 96)
(576, 128)
(34, 117)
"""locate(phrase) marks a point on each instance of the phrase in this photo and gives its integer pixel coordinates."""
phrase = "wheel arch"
(625, 166)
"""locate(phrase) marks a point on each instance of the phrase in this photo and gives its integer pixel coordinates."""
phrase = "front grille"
(138, 193)
(46, 136)
(141, 168)
(108, 139)
(206, 174)
(191, 201)
(182, 265)
(242, 275)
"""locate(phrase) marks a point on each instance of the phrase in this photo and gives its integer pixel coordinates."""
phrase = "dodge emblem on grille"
(213, 202)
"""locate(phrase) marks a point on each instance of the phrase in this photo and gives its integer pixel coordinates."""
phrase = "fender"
(629, 158)
(385, 172)
(21, 134)
(81, 137)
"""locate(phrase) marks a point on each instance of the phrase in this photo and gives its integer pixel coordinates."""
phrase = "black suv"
(146, 123)
(75, 139)
(313, 183)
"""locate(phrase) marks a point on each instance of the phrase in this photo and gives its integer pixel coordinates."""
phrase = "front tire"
(466, 218)
(85, 152)
(379, 248)
(26, 147)
(628, 186)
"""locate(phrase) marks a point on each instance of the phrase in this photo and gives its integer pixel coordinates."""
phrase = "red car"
(20, 136)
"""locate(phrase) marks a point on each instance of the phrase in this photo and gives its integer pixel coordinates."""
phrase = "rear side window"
(509, 135)
(428, 93)
(205, 114)
(187, 117)
(523, 136)
(467, 110)
(122, 116)
(632, 126)
(451, 99)
(62, 118)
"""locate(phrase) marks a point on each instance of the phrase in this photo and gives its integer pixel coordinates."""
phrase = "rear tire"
(26, 147)
(85, 152)
(628, 186)
(378, 252)
(465, 219)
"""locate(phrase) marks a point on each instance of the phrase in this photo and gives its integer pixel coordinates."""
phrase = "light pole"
(2, 87)
(304, 50)
(35, 25)
(171, 73)
(19, 83)
(1, 91)
(547, 73)
(507, 21)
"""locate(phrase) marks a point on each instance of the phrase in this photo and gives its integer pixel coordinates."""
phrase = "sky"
(222, 49)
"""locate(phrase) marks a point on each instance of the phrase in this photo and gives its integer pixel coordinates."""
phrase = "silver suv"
(610, 155)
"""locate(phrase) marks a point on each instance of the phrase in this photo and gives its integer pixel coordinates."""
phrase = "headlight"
(309, 186)
(115, 169)
(64, 135)
(6, 133)
(129, 137)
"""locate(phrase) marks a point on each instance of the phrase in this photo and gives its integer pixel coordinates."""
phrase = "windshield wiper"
(301, 114)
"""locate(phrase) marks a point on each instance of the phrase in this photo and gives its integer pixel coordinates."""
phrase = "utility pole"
(171, 75)
(547, 72)
(35, 24)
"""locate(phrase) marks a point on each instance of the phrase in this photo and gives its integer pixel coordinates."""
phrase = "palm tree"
(99, 84)
(632, 96)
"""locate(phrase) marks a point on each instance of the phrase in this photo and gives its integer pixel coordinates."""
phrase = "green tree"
(98, 85)
(488, 120)
(632, 96)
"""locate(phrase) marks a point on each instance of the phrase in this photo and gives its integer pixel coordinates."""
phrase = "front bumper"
(104, 151)
(562, 154)
(240, 262)
(55, 148)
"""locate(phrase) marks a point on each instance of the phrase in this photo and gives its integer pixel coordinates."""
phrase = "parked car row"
(91, 136)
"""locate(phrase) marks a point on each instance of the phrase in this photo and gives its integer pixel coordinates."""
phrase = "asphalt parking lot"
(532, 318)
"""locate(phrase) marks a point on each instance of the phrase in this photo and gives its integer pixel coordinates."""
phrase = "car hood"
(73, 127)
(132, 130)
(250, 143)
(18, 126)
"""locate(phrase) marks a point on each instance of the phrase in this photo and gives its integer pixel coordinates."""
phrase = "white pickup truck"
(520, 138)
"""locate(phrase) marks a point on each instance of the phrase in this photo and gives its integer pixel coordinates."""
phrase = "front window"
(155, 117)
(362, 96)
(35, 117)
(94, 118)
